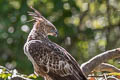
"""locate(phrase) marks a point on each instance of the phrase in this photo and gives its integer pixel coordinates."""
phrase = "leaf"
(32, 76)
(4, 75)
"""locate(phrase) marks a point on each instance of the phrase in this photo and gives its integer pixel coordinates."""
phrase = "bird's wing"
(55, 59)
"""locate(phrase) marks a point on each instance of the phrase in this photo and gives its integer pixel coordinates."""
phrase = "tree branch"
(90, 65)
(110, 25)
(106, 67)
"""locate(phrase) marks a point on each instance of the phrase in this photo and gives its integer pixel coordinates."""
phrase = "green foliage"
(91, 25)
(10, 74)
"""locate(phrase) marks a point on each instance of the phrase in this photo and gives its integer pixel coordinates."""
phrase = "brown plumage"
(50, 60)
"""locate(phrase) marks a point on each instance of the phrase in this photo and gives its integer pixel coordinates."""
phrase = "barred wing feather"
(55, 60)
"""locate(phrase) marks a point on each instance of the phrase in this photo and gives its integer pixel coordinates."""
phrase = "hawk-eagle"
(49, 60)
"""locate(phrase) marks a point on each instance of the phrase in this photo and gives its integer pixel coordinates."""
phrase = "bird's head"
(42, 24)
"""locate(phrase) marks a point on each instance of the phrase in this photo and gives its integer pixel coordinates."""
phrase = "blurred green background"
(86, 28)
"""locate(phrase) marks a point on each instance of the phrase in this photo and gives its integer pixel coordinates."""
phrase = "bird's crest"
(36, 15)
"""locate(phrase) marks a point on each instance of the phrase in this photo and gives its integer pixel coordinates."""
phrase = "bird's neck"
(37, 35)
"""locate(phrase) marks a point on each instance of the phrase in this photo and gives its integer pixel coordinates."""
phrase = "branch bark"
(106, 67)
(90, 65)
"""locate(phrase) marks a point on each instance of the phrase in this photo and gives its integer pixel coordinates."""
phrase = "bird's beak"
(56, 34)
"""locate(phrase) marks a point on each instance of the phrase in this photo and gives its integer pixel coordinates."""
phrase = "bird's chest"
(38, 69)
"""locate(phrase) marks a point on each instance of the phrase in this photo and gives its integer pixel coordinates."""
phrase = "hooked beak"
(56, 34)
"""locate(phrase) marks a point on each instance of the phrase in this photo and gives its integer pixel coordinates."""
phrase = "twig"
(105, 76)
(97, 76)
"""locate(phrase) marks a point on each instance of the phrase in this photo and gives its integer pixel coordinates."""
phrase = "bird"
(49, 60)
